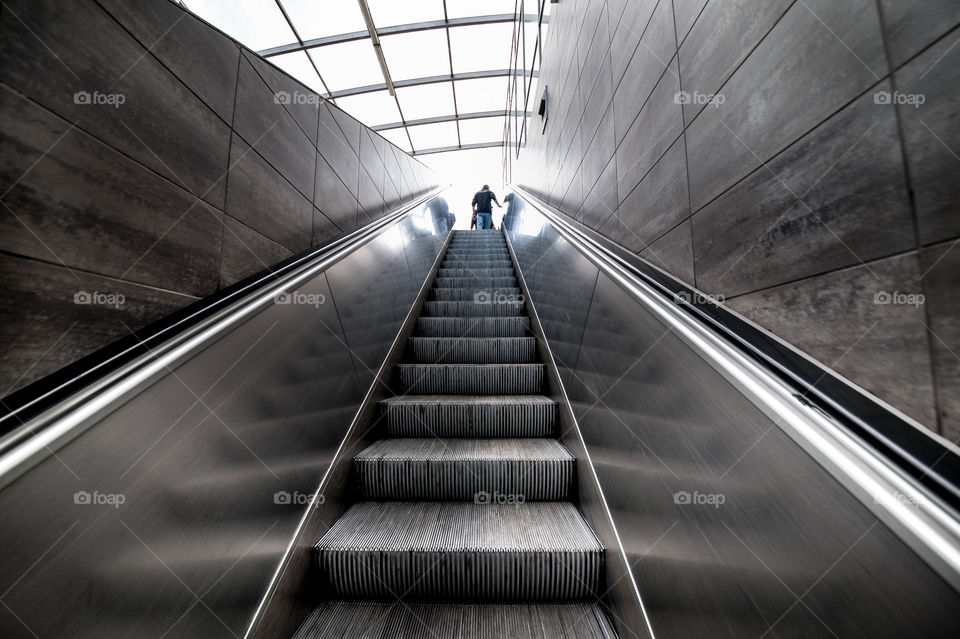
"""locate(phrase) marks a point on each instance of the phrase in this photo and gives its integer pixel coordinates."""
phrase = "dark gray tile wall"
(199, 178)
(795, 158)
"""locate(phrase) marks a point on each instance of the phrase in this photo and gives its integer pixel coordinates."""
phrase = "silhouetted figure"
(482, 208)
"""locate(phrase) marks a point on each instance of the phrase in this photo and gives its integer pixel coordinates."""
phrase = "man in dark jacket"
(482, 208)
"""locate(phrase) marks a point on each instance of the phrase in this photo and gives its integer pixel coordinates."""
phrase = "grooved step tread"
(463, 449)
(375, 620)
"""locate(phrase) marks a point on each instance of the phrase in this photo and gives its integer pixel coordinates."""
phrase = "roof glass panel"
(484, 94)
(321, 18)
(350, 64)
(378, 107)
(467, 8)
(481, 47)
(387, 13)
(426, 100)
(258, 24)
(398, 137)
(298, 65)
(431, 136)
(481, 130)
(416, 55)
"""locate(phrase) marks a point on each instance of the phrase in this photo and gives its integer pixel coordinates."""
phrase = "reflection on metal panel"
(731, 529)
(170, 515)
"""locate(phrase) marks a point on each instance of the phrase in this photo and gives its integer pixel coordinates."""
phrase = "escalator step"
(473, 350)
(473, 326)
(475, 281)
(478, 470)
(485, 306)
(477, 271)
(536, 551)
(474, 379)
(469, 416)
(375, 620)
(470, 294)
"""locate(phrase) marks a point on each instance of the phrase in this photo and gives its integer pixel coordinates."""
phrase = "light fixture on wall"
(542, 111)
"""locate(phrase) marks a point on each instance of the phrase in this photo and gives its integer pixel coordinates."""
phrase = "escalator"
(424, 433)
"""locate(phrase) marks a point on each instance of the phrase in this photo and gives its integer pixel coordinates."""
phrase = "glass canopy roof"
(449, 61)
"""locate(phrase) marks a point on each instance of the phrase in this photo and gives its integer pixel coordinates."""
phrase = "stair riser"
(518, 350)
(473, 309)
(475, 282)
(473, 327)
(475, 263)
(498, 380)
(451, 575)
(469, 420)
(470, 294)
(479, 481)
(476, 272)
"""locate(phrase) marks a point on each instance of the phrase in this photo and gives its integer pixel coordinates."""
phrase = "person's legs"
(485, 220)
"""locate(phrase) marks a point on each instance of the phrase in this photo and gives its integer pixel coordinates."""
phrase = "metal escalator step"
(470, 294)
(478, 271)
(474, 379)
(479, 251)
(380, 620)
(469, 416)
(485, 305)
(475, 262)
(473, 350)
(471, 281)
(536, 551)
(479, 470)
(473, 326)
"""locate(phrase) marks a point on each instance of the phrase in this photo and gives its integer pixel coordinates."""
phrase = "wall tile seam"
(226, 186)
(618, 81)
(686, 151)
(113, 278)
(692, 24)
(148, 50)
(252, 148)
(833, 271)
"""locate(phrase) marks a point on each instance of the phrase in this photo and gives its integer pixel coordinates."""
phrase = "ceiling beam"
(447, 118)
(434, 79)
(386, 31)
(462, 147)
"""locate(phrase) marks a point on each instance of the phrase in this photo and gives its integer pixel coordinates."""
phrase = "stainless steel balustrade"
(739, 509)
(160, 500)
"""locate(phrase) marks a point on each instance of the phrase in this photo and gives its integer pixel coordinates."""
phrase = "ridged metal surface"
(471, 379)
(474, 281)
(481, 308)
(473, 326)
(478, 470)
(473, 261)
(475, 271)
(375, 620)
(469, 416)
(469, 294)
(484, 350)
(537, 551)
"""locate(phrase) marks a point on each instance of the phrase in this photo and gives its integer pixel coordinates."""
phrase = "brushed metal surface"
(170, 515)
(730, 528)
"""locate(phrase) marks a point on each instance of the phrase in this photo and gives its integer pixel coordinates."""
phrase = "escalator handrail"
(918, 514)
(35, 426)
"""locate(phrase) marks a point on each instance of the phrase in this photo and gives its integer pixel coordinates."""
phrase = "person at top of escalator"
(482, 209)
